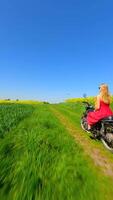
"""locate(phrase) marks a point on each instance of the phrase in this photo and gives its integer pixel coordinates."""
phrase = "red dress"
(103, 111)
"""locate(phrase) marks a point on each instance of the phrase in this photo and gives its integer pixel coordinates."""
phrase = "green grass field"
(41, 160)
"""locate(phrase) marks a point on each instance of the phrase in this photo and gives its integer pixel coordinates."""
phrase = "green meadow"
(41, 160)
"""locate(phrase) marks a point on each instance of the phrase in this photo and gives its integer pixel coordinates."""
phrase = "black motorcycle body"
(102, 130)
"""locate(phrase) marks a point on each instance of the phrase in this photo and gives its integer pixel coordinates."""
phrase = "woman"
(102, 106)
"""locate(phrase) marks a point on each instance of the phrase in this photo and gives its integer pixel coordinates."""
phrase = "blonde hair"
(104, 93)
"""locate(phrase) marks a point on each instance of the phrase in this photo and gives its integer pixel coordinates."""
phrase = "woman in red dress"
(102, 106)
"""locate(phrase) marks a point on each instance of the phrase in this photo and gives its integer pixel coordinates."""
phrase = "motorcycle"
(102, 130)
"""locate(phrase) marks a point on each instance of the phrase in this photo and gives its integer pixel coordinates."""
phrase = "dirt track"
(100, 159)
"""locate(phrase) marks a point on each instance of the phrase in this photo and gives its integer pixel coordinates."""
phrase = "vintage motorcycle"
(102, 130)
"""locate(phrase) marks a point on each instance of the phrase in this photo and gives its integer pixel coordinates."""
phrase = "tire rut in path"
(102, 161)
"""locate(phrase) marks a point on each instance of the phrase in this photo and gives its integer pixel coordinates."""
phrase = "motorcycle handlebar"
(86, 103)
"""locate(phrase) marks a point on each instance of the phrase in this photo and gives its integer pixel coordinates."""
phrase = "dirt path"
(104, 163)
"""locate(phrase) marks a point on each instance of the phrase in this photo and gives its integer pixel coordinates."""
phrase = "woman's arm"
(97, 103)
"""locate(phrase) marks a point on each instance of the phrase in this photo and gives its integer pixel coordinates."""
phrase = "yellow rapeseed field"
(90, 99)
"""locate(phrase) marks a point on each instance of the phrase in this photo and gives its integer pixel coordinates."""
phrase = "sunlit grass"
(40, 160)
(11, 115)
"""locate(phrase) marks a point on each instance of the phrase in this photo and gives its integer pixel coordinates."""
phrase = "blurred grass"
(39, 160)
(73, 112)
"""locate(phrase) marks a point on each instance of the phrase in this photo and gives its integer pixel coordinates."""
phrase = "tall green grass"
(11, 115)
(39, 160)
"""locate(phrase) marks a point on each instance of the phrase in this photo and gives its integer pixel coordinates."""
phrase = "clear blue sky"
(55, 49)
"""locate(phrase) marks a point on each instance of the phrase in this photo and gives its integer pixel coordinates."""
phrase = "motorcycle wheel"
(106, 145)
(84, 124)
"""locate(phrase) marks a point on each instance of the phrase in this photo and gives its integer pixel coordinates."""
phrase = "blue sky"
(52, 50)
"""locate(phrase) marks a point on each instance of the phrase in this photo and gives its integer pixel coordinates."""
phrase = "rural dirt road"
(99, 157)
